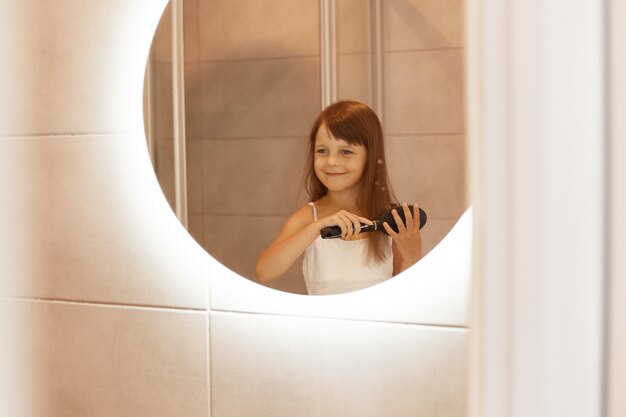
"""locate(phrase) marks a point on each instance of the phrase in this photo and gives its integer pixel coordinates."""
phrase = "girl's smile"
(338, 164)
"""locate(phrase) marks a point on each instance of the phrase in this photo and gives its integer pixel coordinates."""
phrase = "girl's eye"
(347, 152)
(321, 151)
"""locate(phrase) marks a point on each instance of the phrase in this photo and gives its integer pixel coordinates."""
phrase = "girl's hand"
(349, 223)
(408, 240)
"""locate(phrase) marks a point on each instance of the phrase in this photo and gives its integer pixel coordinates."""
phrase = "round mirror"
(257, 74)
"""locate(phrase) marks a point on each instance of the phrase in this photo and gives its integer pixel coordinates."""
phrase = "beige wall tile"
(195, 176)
(100, 234)
(353, 26)
(117, 361)
(354, 77)
(285, 366)
(424, 92)
(279, 97)
(422, 24)
(430, 171)
(247, 29)
(193, 101)
(191, 29)
(253, 176)
(237, 242)
(195, 227)
(162, 105)
(434, 231)
(81, 71)
(164, 169)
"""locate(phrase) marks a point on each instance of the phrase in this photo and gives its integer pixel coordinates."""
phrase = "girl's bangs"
(348, 132)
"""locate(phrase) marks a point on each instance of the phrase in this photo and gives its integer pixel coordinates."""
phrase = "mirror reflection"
(347, 184)
(254, 84)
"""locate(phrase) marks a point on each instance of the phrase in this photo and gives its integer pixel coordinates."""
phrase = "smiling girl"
(348, 185)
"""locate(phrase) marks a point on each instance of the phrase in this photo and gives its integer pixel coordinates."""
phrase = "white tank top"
(333, 266)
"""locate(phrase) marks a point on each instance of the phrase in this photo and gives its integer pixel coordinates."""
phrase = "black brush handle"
(333, 232)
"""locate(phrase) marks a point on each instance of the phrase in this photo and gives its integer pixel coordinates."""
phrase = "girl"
(347, 183)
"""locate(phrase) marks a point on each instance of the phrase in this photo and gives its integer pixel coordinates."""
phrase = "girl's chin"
(338, 187)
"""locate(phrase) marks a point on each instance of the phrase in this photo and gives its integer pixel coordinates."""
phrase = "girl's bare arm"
(297, 235)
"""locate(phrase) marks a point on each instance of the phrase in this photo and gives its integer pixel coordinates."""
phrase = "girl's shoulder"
(303, 216)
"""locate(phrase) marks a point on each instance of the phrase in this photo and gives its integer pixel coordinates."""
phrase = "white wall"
(549, 186)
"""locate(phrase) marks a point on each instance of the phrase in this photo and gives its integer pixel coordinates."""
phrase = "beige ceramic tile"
(195, 227)
(165, 172)
(422, 24)
(193, 101)
(162, 101)
(424, 92)
(162, 104)
(101, 229)
(195, 179)
(237, 242)
(434, 231)
(191, 35)
(82, 65)
(286, 366)
(164, 169)
(352, 26)
(353, 78)
(117, 361)
(248, 29)
(429, 171)
(253, 176)
(279, 97)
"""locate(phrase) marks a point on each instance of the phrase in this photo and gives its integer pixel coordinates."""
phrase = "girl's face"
(338, 165)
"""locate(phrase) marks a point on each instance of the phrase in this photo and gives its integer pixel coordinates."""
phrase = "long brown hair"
(357, 124)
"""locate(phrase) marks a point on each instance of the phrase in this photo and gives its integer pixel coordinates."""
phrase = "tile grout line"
(105, 304)
(64, 135)
(400, 323)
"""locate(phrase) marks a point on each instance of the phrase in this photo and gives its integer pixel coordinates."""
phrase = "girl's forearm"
(278, 258)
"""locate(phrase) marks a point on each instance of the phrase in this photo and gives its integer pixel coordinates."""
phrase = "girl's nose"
(332, 160)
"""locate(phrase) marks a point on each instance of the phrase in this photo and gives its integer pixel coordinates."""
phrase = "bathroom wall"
(123, 314)
(253, 90)
(109, 325)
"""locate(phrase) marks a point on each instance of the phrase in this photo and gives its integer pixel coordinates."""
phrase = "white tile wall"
(81, 70)
(284, 366)
(100, 226)
(95, 360)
